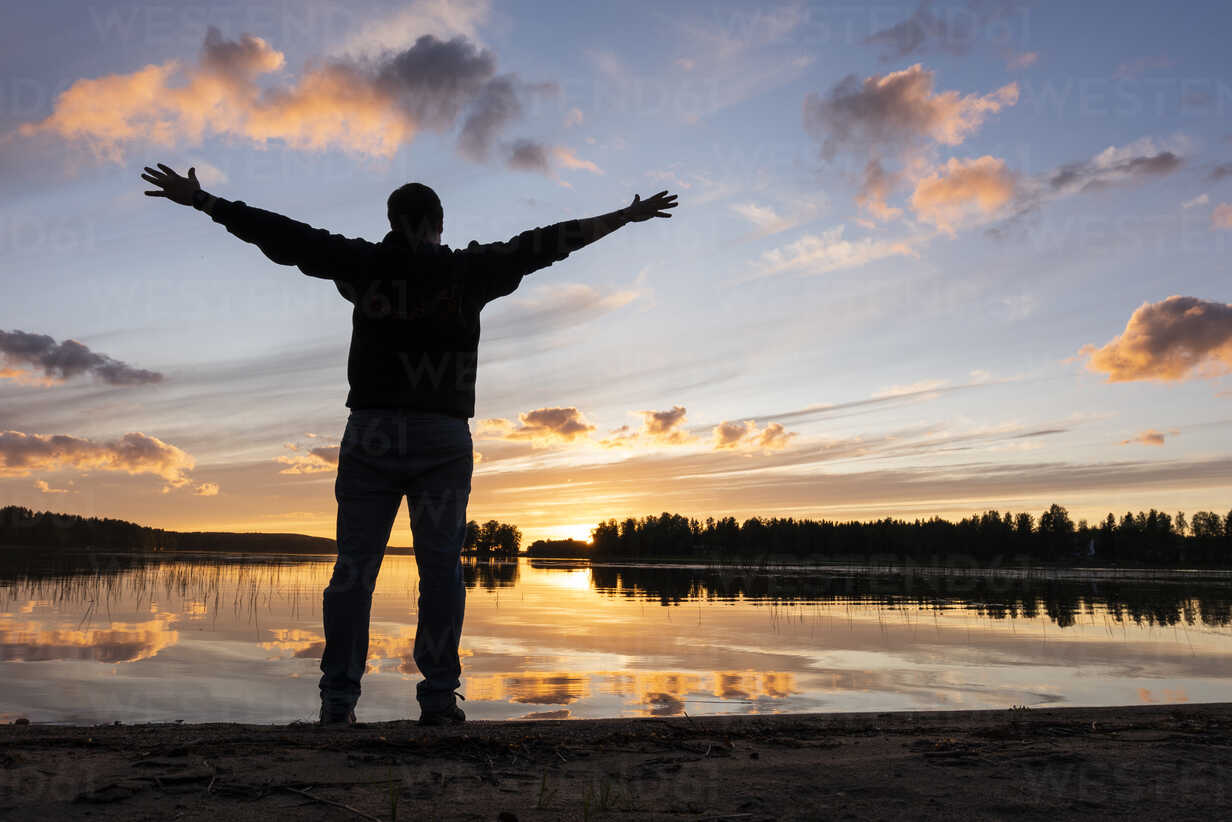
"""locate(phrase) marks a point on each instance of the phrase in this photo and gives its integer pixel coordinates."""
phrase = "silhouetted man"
(411, 368)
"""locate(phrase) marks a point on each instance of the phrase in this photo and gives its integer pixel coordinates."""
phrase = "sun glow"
(578, 530)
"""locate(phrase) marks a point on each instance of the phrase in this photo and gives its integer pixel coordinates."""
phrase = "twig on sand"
(324, 801)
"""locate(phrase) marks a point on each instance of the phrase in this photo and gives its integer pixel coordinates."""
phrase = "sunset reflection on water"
(235, 639)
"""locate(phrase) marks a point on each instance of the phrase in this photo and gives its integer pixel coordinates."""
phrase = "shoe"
(448, 715)
(334, 719)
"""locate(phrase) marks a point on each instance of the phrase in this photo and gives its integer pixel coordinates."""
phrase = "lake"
(100, 638)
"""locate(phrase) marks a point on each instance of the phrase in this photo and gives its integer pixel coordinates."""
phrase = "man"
(411, 368)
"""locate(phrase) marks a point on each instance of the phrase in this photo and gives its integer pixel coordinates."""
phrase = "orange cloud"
(1168, 341)
(1221, 216)
(542, 426)
(666, 426)
(898, 109)
(566, 157)
(658, 428)
(33, 641)
(961, 189)
(874, 189)
(742, 434)
(134, 453)
(310, 461)
(371, 106)
(1148, 437)
(45, 488)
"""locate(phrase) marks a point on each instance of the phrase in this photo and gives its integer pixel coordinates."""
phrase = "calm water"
(113, 637)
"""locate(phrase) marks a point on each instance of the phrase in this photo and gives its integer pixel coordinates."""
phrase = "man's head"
(415, 211)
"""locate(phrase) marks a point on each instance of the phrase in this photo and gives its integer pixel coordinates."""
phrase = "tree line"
(1144, 538)
(21, 526)
(497, 540)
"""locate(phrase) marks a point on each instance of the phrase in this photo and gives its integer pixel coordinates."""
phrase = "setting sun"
(578, 531)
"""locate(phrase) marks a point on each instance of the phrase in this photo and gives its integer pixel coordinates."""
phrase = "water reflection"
(101, 637)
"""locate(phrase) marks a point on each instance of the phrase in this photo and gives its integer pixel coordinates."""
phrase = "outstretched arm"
(502, 265)
(315, 251)
(595, 228)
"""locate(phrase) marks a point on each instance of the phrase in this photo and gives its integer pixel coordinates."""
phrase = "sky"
(929, 259)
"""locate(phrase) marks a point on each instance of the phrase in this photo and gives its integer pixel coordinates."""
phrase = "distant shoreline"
(724, 564)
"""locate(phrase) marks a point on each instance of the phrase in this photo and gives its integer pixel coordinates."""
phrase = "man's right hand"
(656, 206)
(175, 188)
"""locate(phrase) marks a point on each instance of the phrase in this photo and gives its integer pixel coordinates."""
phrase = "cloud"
(529, 155)
(875, 188)
(1114, 165)
(208, 173)
(1200, 200)
(829, 251)
(1021, 60)
(565, 157)
(44, 488)
(1221, 216)
(658, 428)
(448, 18)
(897, 110)
(1219, 172)
(1148, 437)
(768, 221)
(310, 460)
(953, 30)
(774, 437)
(763, 217)
(924, 388)
(543, 426)
(495, 106)
(665, 426)
(1171, 340)
(574, 117)
(206, 489)
(367, 105)
(729, 435)
(963, 188)
(134, 453)
(24, 354)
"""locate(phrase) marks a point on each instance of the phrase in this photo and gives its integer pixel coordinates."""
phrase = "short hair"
(412, 204)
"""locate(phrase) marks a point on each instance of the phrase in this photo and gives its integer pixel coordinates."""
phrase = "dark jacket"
(415, 325)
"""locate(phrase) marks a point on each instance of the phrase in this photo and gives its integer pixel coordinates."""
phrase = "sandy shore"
(1154, 762)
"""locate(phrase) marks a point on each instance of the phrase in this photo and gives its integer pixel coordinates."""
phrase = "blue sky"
(1056, 174)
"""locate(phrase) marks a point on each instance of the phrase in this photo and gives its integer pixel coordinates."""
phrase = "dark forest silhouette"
(45, 529)
(1147, 538)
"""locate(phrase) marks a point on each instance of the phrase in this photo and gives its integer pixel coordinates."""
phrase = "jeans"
(386, 455)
